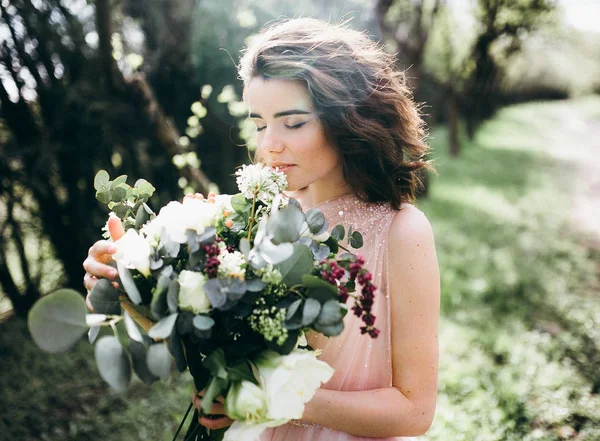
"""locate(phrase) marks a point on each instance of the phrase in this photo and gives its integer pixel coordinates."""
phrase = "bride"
(332, 112)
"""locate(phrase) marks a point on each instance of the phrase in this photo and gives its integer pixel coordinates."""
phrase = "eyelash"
(294, 127)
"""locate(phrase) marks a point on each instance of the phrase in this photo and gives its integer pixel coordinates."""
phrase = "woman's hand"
(99, 255)
(216, 419)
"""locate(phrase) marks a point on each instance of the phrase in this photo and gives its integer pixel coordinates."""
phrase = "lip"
(282, 167)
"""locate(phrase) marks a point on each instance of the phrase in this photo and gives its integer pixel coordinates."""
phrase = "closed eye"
(295, 126)
(260, 129)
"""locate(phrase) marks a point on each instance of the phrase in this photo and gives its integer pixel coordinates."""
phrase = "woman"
(334, 115)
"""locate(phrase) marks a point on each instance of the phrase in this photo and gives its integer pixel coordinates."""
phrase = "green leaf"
(104, 197)
(240, 204)
(203, 322)
(310, 312)
(338, 232)
(57, 321)
(132, 329)
(320, 294)
(332, 243)
(145, 188)
(163, 328)
(113, 363)
(330, 313)
(173, 296)
(159, 361)
(292, 309)
(241, 371)
(356, 240)
(129, 284)
(119, 193)
(329, 330)
(120, 180)
(311, 281)
(315, 220)
(214, 389)
(101, 180)
(216, 363)
(176, 349)
(93, 333)
(121, 210)
(285, 224)
(299, 264)
(141, 217)
(140, 364)
(159, 307)
(104, 297)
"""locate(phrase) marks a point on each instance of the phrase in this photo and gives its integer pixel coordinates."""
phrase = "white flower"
(246, 401)
(290, 381)
(133, 251)
(269, 274)
(265, 181)
(191, 293)
(232, 264)
(176, 218)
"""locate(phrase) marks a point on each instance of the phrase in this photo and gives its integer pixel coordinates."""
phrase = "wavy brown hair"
(362, 101)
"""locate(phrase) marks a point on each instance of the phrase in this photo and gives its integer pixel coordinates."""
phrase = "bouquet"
(225, 286)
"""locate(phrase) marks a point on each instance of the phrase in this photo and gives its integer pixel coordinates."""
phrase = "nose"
(271, 141)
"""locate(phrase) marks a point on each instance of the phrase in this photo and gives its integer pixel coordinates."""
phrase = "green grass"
(520, 344)
(519, 336)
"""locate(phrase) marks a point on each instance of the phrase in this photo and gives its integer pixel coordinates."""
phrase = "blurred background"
(511, 93)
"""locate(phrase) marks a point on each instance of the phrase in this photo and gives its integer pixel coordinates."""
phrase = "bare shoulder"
(410, 228)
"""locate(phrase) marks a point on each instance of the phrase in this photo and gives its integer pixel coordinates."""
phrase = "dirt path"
(585, 211)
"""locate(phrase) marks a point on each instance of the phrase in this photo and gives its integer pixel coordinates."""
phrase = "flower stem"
(251, 222)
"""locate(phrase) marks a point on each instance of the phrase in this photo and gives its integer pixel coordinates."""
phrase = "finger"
(115, 227)
(215, 424)
(99, 269)
(102, 250)
(88, 303)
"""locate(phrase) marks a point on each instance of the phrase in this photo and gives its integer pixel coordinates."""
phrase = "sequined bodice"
(360, 363)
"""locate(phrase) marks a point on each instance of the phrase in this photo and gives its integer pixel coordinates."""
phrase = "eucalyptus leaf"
(203, 322)
(255, 285)
(113, 363)
(332, 244)
(163, 328)
(119, 193)
(338, 232)
(173, 296)
(311, 310)
(132, 328)
(299, 264)
(120, 180)
(141, 217)
(329, 330)
(57, 321)
(104, 297)
(139, 361)
(159, 361)
(101, 180)
(129, 284)
(356, 240)
(245, 247)
(93, 333)
(331, 313)
(321, 252)
(315, 220)
(285, 224)
(176, 350)
(292, 309)
(121, 210)
(158, 306)
(104, 197)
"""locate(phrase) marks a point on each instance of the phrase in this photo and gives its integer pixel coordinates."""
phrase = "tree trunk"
(452, 113)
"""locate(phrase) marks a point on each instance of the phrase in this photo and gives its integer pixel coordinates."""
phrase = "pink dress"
(360, 363)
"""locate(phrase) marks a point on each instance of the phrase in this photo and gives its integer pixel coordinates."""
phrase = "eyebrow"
(284, 113)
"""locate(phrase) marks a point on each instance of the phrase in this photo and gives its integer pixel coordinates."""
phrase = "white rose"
(133, 251)
(246, 401)
(191, 292)
(290, 381)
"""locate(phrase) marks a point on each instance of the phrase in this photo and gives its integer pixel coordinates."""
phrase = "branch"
(112, 74)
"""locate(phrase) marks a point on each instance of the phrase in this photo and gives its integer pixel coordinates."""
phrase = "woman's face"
(290, 135)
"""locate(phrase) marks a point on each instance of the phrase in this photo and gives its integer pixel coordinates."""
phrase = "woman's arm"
(407, 408)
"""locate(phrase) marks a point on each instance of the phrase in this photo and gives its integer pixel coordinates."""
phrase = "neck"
(316, 194)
